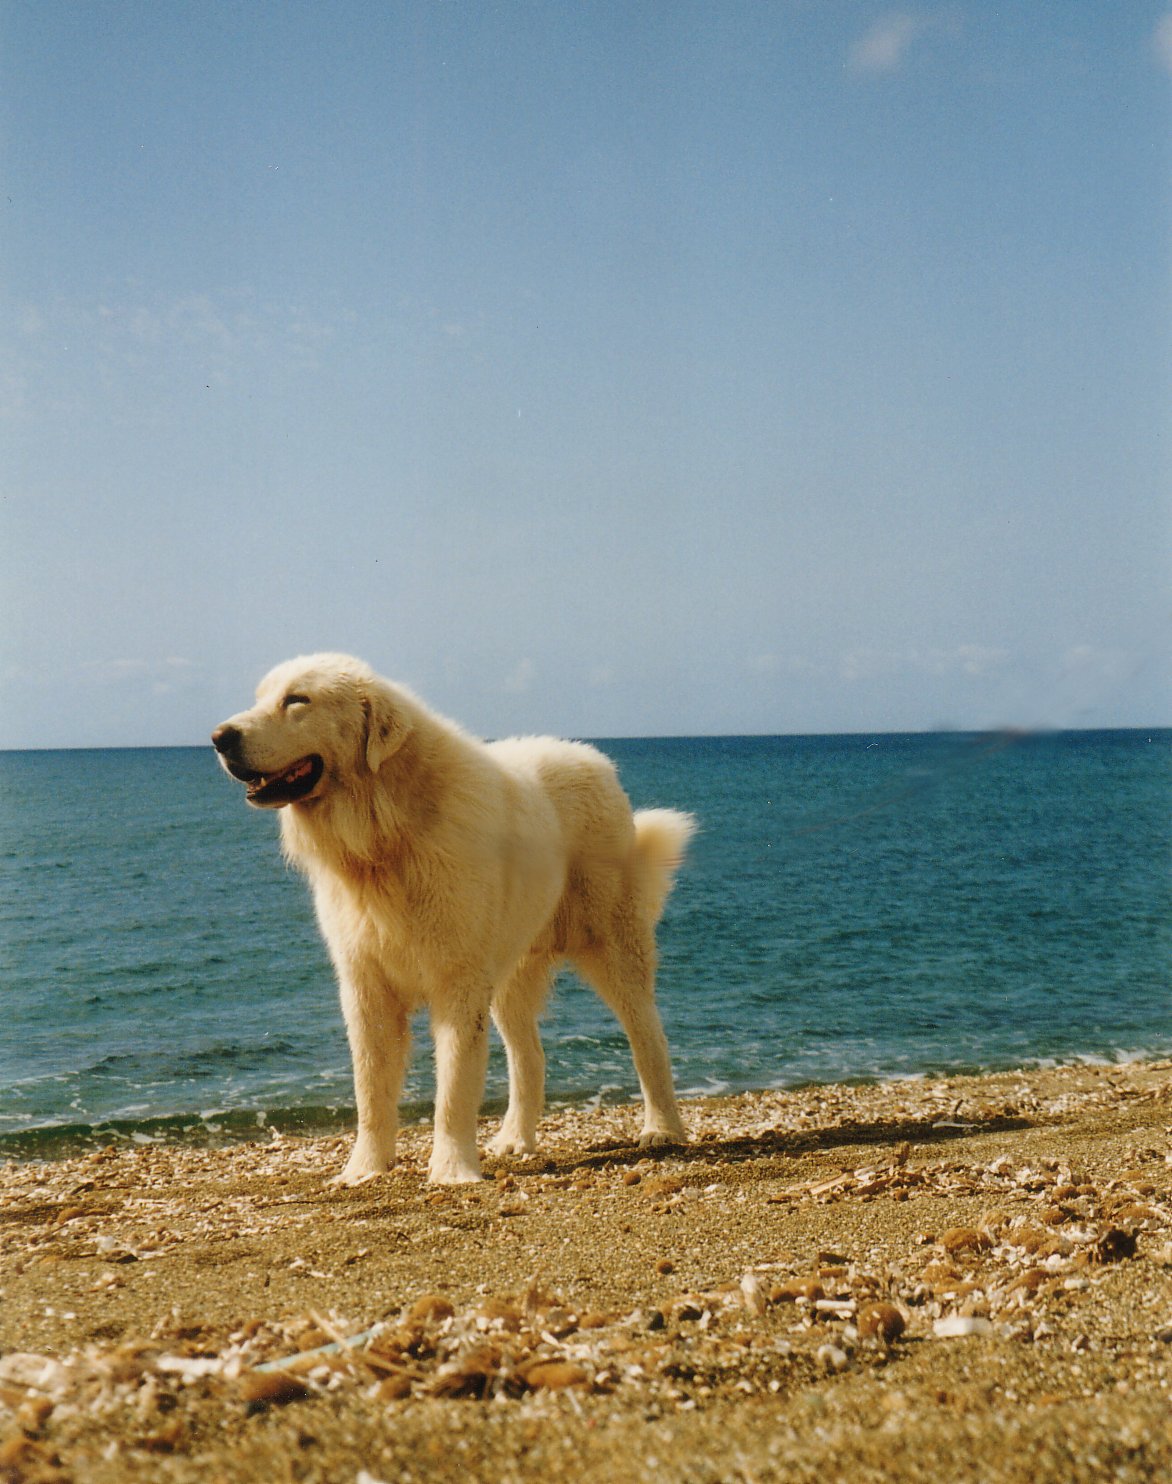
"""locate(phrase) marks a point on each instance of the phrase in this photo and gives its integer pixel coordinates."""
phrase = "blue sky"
(598, 368)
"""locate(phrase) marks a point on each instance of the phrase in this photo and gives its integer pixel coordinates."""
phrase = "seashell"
(880, 1322)
(1114, 1246)
(558, 1322)
(1038, 1241)
(34, 1413)
(1029, 1281)
(35, 1371)
(471, 1375)
(394, 1388)
(430, 1308)
(964, 1239)
(793, 1289)
(270, 1388)
(832, 1358)
(502, 1314)
(753, 1292)
(20, 1456)
(554, 1375)
(1137, 1213)
(165, 1440)
(959, 1326)
(663, 1185)
(837, 1308)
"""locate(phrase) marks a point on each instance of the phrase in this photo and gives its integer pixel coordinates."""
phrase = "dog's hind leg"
(379, 1032)
(461, 1056)
(515, 1011)
(623, 972)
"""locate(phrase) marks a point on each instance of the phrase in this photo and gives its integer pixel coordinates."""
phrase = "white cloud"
(1162, 41)
(224, 333)
(884, 45)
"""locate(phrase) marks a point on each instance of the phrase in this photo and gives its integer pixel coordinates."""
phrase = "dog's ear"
(387, 724)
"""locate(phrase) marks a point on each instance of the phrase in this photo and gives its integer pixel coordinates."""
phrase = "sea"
(854, 908)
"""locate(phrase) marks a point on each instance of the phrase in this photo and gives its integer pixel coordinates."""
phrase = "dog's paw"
(512, 1144)
(364, 1164)
(346, 1178)
(658, 1139)
(453, 1174)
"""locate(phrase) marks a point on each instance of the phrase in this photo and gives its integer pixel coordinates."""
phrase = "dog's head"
(318, 720)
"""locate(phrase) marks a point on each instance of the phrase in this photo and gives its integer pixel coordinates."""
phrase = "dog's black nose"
(225, 739)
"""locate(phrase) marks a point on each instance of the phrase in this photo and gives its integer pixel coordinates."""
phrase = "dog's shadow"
(769, 1145)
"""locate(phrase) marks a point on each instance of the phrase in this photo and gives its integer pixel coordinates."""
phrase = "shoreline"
(223, 1127)
(953, 1277)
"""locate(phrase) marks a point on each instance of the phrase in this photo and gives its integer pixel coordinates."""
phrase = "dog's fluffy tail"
(661, 841)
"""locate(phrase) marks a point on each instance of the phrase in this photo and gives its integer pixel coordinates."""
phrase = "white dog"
(456, 874)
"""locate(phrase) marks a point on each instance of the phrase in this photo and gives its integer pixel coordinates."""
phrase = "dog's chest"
(370, 912)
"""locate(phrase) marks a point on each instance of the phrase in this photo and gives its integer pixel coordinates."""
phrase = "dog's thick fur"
(457, 874)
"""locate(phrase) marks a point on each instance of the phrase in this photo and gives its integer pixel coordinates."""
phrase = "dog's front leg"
(379, 1032)
(461, 1056)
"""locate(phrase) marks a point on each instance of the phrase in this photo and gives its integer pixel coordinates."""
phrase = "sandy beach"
(961, 1279)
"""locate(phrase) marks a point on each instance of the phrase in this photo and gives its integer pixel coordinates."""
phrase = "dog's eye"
(294, 701)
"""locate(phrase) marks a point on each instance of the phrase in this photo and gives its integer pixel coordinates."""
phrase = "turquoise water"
(855, 907)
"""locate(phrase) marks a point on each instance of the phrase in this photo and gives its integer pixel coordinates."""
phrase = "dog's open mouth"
(272, 790)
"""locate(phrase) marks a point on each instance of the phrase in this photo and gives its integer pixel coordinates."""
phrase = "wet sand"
(961, 1279)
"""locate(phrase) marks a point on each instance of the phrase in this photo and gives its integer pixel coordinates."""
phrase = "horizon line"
(1008, 732)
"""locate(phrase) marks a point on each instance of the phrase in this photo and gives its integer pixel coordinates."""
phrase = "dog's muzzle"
(267, 790)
